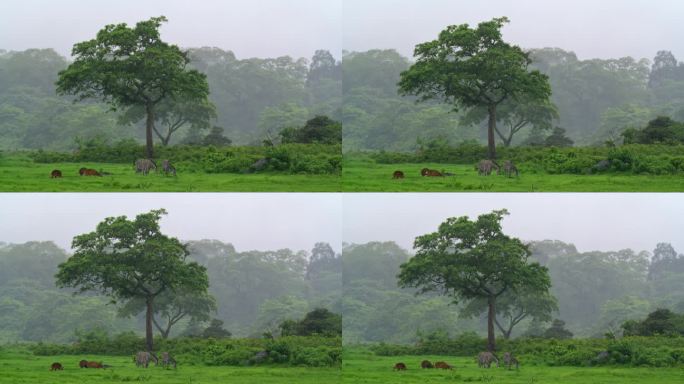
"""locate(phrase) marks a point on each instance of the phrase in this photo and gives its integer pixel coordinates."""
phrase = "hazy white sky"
(603, 221)
(250, 28)
(261, 221)
(590, 28)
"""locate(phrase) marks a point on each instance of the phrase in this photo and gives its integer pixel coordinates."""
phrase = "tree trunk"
(491, 127)
(149, 335)
(149, 127)
(491, 336)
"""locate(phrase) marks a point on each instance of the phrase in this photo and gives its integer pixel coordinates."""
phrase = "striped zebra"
(485, 359)
(168, 168)
(144, 166)
(485, 167)
(509, 169)
(142, 359)
(509, 361)
(167, 360)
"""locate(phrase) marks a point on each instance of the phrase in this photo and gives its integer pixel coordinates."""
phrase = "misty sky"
(261, 221)
(603, 221)
(590, 28)
(249, 28)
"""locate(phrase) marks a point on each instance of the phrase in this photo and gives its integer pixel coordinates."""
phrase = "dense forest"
(254, 99)
(254, 292)
(596, 292)
(595, 101)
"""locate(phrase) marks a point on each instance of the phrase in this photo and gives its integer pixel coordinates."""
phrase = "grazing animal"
(485, 359)
(56, 367)
(509, 360)
(142, 359)
(88, 172)
(509, 169)
(442, 365)
(430, 172)
(398, 175)
(426, 364)
(485, 167)
(94, 364)
(83, 364)
(167, 360)
(55, 174)
(144, 166)
(399, 367)
(168, 168)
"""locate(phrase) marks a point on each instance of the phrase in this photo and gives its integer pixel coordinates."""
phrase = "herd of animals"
(484, 360)
(483, 168)
(141, 359)
(144, 166)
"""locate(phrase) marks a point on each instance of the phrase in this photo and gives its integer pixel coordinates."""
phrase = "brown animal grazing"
(399, 367)
(430, 172)
(55, 174)
(56, 367)
(88, 172)
(426, 364)
(94, 364)
(442, 365)
(398, 175)
(83, 364)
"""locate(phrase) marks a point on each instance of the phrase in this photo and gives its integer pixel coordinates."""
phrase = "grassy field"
(26, 368)
(22, 175)
(363, 367)
(366, 176)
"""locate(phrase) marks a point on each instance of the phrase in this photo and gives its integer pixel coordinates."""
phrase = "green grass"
(20, 174)
(368, 176)
(17, 367)
(360, 366)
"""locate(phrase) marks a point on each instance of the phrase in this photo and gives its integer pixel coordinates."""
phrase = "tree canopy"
(470, 260)
(131, 259)
(473, 68)
(132, 67)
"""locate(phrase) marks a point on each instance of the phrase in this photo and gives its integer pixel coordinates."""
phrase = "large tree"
(131, 259)
(474, 68)
(132, 67)
(473, 260)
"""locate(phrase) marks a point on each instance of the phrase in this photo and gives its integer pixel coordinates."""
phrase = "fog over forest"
(248, 221)
(592, 29)
(296, 28)
(592, 222)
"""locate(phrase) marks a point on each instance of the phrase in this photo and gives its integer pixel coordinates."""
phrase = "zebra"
(509, 169)
(142, 359)
(485, 359)
(485, 167)
(144, 166)
(510, 361)
(167, 360)
(168, 168)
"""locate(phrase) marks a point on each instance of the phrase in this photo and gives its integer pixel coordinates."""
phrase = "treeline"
(596, 293)
(254, 293)
(254, 99)
(596, 101)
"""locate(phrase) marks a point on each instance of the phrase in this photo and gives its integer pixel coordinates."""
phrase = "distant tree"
(474, 68)
(664, 68)
(216, 138)
(659, 322)
(215, 330)
(131, 259)
(473, 260)
(557, 331)
(174, 115)
(172, 307)
(557, 138)
(320, 321)
(661, 130)
(132, 67)
(320, 129)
